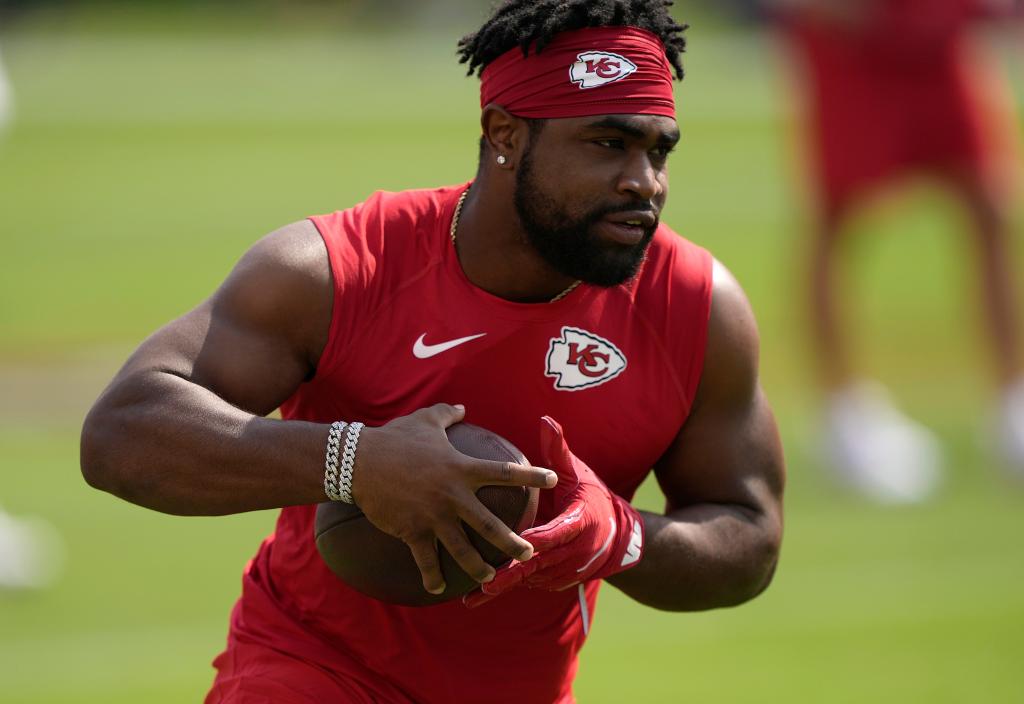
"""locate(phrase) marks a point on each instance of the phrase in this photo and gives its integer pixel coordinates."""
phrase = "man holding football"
(588, 334)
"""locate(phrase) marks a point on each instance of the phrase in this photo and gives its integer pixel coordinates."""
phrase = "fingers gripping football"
(596, 535)
(411, 483)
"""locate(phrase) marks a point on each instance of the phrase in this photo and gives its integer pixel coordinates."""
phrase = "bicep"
(260, 335)
(728, 451)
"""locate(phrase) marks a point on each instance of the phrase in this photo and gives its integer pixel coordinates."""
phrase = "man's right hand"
(411, 483)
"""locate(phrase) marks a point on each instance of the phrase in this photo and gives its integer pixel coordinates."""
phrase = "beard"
(566, 242)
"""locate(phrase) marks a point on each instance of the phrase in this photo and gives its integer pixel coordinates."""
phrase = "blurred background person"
(893, 88)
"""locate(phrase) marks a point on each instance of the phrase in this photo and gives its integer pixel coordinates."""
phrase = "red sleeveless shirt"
(617, 367)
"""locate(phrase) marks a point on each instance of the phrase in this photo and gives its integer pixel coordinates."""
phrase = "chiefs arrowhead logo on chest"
(579, 360)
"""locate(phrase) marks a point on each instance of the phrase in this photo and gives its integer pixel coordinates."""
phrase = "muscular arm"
(180, 428)
(718, 542)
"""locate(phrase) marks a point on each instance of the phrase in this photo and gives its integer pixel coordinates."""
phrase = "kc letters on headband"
(593, 71)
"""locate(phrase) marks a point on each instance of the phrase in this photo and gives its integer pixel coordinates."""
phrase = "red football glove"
(596, 535)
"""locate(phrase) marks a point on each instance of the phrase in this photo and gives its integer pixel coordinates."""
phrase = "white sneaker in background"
(878, 451)
(1011, 428)
(31, 552)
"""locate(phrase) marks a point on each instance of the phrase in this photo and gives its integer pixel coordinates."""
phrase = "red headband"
(593, 71)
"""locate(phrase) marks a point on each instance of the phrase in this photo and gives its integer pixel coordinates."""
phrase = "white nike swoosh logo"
(424, 351)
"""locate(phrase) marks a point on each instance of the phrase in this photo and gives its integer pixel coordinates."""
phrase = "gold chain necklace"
(455, 225)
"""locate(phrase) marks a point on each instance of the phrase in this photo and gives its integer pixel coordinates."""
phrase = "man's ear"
(505, 134)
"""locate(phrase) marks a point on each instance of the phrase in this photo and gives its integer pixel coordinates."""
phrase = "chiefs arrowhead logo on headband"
(598, 68)
(533, 85)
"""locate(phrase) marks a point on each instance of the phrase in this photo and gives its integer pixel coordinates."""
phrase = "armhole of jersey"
(333, 351)
(684, 353)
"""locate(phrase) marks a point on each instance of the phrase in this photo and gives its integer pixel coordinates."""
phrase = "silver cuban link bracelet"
(348, 461)
(331, 463)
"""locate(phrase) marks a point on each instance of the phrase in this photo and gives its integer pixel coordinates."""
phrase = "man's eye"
(663, 152)
(609, 143)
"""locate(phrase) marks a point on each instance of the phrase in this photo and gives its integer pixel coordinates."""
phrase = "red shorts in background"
(877, 109)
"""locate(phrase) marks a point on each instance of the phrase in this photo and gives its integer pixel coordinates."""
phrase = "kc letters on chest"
(579, 360)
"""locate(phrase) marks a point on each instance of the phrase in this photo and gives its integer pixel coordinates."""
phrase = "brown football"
(381, 566)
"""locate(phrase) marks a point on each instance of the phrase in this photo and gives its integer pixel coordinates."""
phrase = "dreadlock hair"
(523, 22)
(526, 23)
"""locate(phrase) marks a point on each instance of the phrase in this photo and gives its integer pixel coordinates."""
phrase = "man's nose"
(640, 179)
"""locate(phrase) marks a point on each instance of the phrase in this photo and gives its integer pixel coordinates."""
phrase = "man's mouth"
(628, 227)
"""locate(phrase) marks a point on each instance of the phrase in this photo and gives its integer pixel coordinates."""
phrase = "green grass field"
(143, 163)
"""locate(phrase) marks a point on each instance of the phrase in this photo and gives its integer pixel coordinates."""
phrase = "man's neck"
(494, 252)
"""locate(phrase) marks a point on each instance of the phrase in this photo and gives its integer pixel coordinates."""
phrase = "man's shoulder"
(404, 225)
(673, 289)
(666, 238)
(392, 209)
(673, 261)
(416, 201)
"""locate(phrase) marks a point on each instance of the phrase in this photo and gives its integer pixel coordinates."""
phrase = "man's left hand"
(597, 534)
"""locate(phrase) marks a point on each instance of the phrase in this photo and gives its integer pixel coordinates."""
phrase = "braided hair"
(523, 22)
